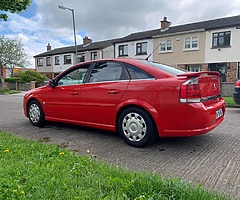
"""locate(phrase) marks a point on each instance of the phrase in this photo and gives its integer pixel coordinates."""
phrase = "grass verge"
(32, 170)
(229, 101)
(8, 91)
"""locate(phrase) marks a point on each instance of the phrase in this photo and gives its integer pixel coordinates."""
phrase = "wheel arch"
(148, 109)
(30, 100)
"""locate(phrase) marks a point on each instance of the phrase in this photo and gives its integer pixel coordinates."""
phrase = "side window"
(108, 71)
(75, 76)
(136, 73)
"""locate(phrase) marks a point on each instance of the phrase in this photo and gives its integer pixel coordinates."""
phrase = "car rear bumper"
(199, 119)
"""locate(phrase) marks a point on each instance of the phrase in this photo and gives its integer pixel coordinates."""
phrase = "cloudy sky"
(44, 22)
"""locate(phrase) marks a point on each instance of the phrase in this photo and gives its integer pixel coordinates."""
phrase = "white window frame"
(166, 46)
(190, 41)
(57, 60)
(39, 62)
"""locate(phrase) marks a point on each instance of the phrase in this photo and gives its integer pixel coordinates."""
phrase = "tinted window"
(165, 68)
(107, 71)
(136, 73)
(73, 77)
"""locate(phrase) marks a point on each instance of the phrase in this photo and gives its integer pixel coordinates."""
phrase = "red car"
(236, 94)
(138, 98)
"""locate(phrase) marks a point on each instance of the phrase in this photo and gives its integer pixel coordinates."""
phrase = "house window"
(40, 62)
(166, 46)
(57, 60)
(221, 39)
(67, 59)
(80, 57)
(48, 61)
(123, 50)
(141, 48)
(93, 55)
(191, 43)
(193, 68)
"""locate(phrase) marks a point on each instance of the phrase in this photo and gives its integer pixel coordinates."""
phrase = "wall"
(178, 54)
(132, 49)
(227, 89)
(228, 54)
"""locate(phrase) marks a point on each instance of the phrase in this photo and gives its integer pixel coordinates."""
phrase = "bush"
(29, 75)
(12, 80)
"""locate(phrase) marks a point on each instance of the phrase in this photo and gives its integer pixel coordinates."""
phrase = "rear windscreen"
(168, 69)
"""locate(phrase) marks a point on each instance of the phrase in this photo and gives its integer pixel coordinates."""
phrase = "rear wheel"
(35, 113)
(136, 127)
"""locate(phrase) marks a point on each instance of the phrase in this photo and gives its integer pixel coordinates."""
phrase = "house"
(52, 62)
(140, 44)
(211, 45)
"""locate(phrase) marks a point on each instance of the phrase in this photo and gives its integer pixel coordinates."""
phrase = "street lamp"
(74, 29)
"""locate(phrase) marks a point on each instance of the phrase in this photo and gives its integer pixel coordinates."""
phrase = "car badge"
(215, 87)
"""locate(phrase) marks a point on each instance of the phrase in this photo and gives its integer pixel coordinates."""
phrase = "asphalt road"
(212, 159)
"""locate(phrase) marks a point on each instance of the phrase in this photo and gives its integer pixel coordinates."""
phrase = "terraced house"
(208, 45)
(211, 45)
(52, 62)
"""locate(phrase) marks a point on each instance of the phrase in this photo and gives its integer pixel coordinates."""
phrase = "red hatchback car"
(138, 98)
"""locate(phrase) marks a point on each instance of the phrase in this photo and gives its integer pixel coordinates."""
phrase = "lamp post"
(74, 29)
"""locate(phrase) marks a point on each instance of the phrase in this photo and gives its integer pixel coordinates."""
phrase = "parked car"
(236, 94)
(138, 98)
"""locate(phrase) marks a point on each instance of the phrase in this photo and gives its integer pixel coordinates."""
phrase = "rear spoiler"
(202, 73)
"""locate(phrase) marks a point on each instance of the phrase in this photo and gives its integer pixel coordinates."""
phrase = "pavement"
(212, 160)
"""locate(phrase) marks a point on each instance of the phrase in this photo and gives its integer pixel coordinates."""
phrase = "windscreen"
(168, 69)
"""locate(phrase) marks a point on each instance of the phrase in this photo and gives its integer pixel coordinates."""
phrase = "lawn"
(34, 170)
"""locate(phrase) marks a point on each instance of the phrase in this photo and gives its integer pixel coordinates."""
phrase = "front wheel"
(136, 127)
(35, 113)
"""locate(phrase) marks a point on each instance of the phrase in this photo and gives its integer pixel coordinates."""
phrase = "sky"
(43, 22)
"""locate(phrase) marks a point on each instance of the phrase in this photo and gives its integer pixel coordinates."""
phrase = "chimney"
(165, 24)
(49, 48)
(86, 40)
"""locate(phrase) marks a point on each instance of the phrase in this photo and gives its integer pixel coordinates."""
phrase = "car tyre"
(35, 113)
(137, 127)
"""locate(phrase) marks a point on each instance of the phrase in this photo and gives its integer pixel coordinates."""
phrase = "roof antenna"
(160, 43)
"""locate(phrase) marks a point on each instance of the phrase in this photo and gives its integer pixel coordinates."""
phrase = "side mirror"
(52, 83)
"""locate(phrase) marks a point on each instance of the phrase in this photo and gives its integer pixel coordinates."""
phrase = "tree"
(11, 54)
(13, 6)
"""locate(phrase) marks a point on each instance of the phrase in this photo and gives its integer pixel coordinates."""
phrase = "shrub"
(29, 75)
(12, 80)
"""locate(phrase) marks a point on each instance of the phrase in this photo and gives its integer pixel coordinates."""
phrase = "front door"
(63, 100)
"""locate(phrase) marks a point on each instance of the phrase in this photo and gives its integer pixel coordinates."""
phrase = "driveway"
(212, 159)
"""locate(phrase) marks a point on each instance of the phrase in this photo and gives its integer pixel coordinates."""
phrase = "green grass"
(8, 91)
(33, 170)
(229, 101)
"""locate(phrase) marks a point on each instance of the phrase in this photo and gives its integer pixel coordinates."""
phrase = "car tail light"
(190, 91)
(237, 84)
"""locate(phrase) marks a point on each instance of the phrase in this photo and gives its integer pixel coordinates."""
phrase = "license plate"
(219, 113)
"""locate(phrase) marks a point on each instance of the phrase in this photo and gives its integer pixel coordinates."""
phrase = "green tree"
(13, 6)
(12, 54)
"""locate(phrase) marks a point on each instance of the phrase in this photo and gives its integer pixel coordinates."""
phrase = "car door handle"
(74, 93)
(115, 91)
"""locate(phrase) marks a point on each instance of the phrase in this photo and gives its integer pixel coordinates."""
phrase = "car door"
(63, 100)
(106, 85)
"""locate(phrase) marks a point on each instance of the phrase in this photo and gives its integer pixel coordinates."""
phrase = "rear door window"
(108, 71)
(137, 73)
